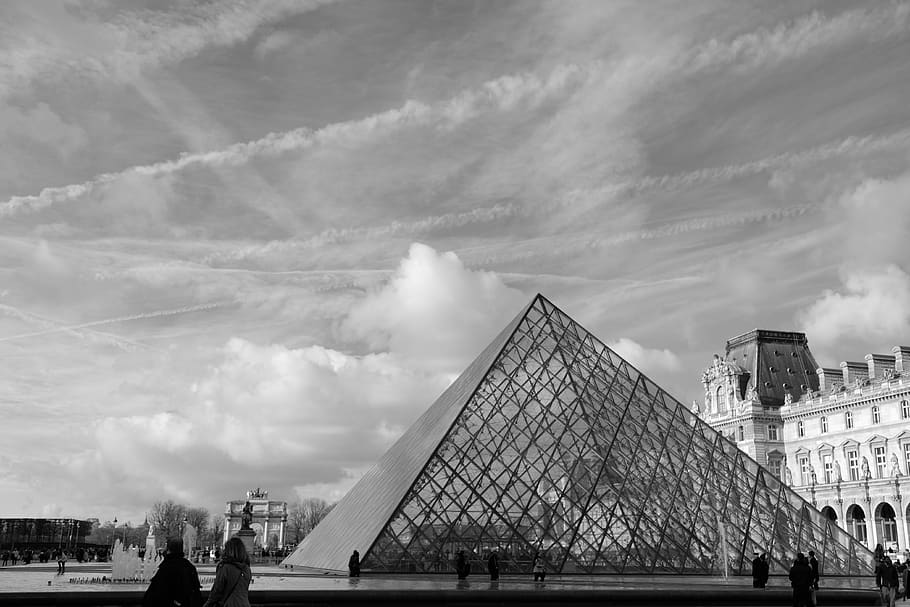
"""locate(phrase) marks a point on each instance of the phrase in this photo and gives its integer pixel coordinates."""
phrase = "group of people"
(804, 576)
(890, 576)
(463, 566)
(177, 582)
(12, 557)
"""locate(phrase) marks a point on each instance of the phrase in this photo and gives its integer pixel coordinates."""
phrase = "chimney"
(901, 358)
(829, 378)
(854, 371)
(877, 364)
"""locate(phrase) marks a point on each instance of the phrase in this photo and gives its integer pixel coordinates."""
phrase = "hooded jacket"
(231, 585)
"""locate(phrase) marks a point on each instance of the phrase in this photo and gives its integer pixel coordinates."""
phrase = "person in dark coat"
(462, 567)
(354, 565)
(757, 571)
(813, 564)
(493, 566)
(232, 577)
(801, 580)
(887, 580)
(176, 582)
(765, 569)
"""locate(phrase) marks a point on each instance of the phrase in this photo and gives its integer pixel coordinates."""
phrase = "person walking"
(887, 580)
(61, 562)
(354, 565)
(801, 581)
(813, 564)
(232, 577)
(540, 571)
(765, 569)
(493, 566)
(462, 567)
(176, 582)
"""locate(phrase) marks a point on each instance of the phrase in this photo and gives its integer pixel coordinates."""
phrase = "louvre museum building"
(549, 444)
(839, 436)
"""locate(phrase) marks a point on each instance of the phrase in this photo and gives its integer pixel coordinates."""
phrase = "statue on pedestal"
(246, 516)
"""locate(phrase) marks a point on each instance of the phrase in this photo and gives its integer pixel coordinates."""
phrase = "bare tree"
(167, 518)
(305, 514)
(217, 530)
(198, 518)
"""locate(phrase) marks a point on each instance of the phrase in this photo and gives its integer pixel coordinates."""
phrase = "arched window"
(885, 525)
(720, 400)
(856, 523)
(824, 424)
(876, 415)
(848, 420)
(742, 434)
(800, 429)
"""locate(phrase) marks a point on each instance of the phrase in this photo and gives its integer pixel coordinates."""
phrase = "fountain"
(127, 567)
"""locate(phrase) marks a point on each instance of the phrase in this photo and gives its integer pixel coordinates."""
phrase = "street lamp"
(114, 534)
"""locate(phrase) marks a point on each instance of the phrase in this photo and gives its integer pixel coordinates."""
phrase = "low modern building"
(65, 533)
(269, 518)
(839, 436)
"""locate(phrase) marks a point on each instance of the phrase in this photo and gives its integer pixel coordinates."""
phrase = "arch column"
(900, 517)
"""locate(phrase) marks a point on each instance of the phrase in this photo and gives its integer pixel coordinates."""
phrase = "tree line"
(168, 517)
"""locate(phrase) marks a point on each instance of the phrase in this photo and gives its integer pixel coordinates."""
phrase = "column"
(901, 521)
(265, 528)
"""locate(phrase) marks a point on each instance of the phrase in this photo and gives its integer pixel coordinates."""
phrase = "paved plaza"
(271, 583)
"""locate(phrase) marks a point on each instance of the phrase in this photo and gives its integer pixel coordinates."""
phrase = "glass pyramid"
(549, 443)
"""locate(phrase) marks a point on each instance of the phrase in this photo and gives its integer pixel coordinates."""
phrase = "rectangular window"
(905, 409)
(824, 425)
(907, 458)
(772, 432)
(742, 434)
(853, 464)
(804, 475)
(829, 469)
(848, 420)
(881, 461)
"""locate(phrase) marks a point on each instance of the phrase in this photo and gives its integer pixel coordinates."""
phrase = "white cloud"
(501, 94)
(120, 44)
(308, 418)
(646, 360)
(434, 294)
(873, 306)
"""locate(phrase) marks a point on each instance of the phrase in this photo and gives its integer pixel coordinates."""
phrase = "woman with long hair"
(232, 577)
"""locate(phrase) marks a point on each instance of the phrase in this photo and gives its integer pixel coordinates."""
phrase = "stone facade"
(269, 519)
(841, 439)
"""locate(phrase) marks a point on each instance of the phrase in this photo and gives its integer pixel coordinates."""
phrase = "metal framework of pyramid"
(550, 443)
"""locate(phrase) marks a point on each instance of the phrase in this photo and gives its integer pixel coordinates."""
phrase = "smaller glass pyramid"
(550, 444)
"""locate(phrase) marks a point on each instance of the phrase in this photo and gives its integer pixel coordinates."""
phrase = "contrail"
(55, 325)
(110, 321)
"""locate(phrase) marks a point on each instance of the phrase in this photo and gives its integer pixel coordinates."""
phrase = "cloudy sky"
(247, 243)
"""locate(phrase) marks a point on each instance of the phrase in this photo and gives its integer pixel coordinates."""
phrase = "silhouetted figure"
(539, 571)
(757, 571)
(766, 569)
(61, 562)
(354, 565)
(813, 564)
(801, 580)
(462, 567)
(493, 565)
(176, 582)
